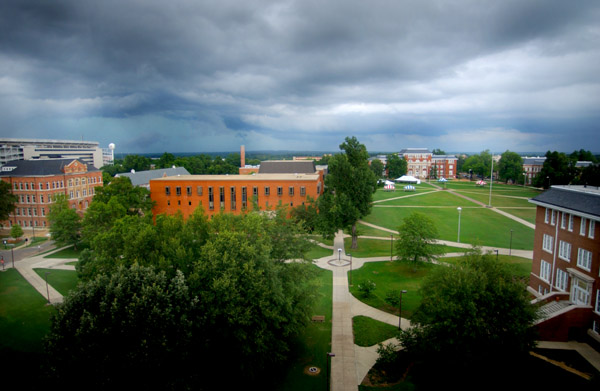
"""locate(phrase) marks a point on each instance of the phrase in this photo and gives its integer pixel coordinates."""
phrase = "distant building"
(87, 152)
(532, 167)
(420, 162)
(142, 178)
(445, 165)
(36, 182)
(565, 271)
(287, 167)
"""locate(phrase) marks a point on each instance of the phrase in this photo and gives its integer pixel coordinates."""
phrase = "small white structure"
(389, 187)
(408, 179)
(409, 188)
(481, 183)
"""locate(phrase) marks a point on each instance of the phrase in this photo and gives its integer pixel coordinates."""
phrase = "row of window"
(29, 211)
(566, 222)
(267, 190)
(32, 198)
(56, 184)
(27, 223)
(584, 257)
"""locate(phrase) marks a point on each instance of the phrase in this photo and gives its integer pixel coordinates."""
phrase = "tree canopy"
(474, 316)
(510, 167)
(396, 166)
(480, 164)
(65, 222)
(7, 200)
(417, 239)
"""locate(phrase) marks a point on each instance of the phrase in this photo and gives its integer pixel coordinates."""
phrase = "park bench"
(318, 318)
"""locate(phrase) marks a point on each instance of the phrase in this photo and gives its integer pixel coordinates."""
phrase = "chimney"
(243, 157)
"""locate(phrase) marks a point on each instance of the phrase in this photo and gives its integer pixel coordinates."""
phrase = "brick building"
(233, 193)
(566, 262)
(444, 165)
(531, 168)
(421, 162)
(36, 182)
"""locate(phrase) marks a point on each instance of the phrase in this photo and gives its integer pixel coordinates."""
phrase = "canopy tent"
(408, 179)
(390, 187)
(481, 183)
(388, 182)
(409, 188)
(442, 180)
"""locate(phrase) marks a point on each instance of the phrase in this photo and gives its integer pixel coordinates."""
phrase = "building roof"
(535, 161)
(442, 157)
(578, 199)
(42, 167)
(35, 141)
(287, 167)
(248, 178)
(141, 178)
(414, 150)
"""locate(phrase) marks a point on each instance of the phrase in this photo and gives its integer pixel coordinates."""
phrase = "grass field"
(380, 248)
(61, 280)
(369, 332)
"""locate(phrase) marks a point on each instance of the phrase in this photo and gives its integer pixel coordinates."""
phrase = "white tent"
(442, 180)
(409, 179)
(389, 187)
(389, 182)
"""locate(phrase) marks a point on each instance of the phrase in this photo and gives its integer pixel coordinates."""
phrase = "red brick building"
(36, 182)
(566, 262)
(423, 164)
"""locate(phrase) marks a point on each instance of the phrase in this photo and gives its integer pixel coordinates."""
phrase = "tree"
(7, 200)
(350, 185)
(557, 169)
(417, 239)
(16, 231)
(438, 152)
(65, 223)
(510, 167)
(396, 166)
(377, 167)
(480, 164)
(136, 162)
(475, 317)
(135, 200)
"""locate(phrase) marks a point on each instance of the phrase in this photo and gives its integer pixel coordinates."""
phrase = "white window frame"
(545, 271)
(597, 308)
(562, 280)
(563, 220)
(553, 218)
(584, 259)
(547, 216)
(570, 223)
(591, 229)
(548, 243)
(564, 250)
(582, 226)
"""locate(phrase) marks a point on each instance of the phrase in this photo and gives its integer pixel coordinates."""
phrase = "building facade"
(532, 167)
(566, 261)
(142, 178)
(37, 182)
(422, 164)
(232, 193)
(87, 152)
(444, 166)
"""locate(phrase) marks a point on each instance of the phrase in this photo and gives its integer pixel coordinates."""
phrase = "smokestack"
(243, 156)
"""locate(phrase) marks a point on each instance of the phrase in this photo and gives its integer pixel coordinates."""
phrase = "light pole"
(339, 255)
(510, 247)
(329, 355)
(459, 209)
(496, 254)
(350, 255)
(524, 178)
(391, 246)
(47, 290)
(12, 253)
(400, 310)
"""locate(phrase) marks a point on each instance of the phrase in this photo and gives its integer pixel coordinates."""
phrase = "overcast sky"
(199, 76)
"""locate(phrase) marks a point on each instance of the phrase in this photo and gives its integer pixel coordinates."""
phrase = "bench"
(318, 318)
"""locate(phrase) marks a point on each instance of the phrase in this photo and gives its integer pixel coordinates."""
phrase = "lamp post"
(496, 254)
(350, 255)
(400, 310)
(47, 290)
(329, 355)
(524, 178)
(510, 247)
(339, 255)
(391, 246)
(459, 209)
(12, 253)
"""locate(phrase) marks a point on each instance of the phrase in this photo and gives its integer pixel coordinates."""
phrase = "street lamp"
(47, 290)
(459, 209)
(400, 310)
(510, 247)
(329, 355)
(350, 255)
(524, 178)
(496, 254)
(391, 246)
(339, 255)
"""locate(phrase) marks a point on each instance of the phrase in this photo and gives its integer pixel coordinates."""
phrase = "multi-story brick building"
(531, 168)
(36, 182)
(421, 162)
(566, 261)
(444, 165)
(232, 193)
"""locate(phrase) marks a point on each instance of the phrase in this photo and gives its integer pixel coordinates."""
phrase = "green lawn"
(521, 266)
(61, 280)
(369, 332)
(479, 225)
(391, 276)
(311, 348)
(436, 198)
(380, 248)
(527, 214)
(24, 315)
(65, 253)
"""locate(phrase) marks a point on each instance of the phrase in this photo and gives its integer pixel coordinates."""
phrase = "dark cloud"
(190, 75)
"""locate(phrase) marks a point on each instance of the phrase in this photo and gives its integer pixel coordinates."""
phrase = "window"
(584, 259)
(244, 198)
(553, 218)
(279, 190)
(168, 190)
(570, 222)
(302, 191)
(291, 190)
(563, 220)
(41, 186)
(211, 198)
(43, 211)
(232, 192)
(597, 324)
(199, 190)
(267, 191)
(564, 250)
(562, 279)
(547, 216)
(545, 271)
(222, 197)
(41, 198)
(178, 190)
(255, 194)
(591, 229)
(547, 243)
(582, 227)
(189, 191)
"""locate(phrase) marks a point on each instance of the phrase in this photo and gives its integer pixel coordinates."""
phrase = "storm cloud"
(194, 76)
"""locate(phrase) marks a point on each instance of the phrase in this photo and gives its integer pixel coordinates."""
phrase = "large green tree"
(65, 222)
(510, 167)
(377, 167)
(396, 166)
(350, 185)
(479, 164)
(558, 169)
(474, 321)
(7, 200)
(417, 239)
